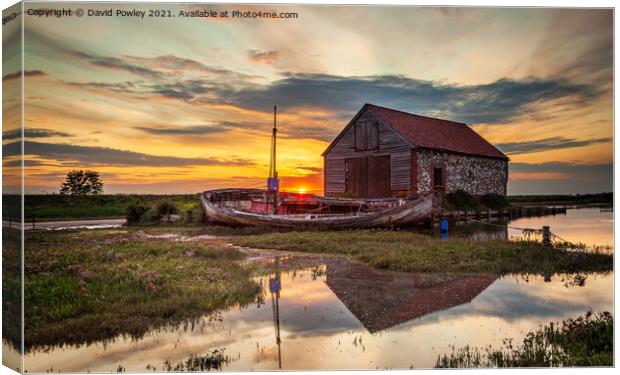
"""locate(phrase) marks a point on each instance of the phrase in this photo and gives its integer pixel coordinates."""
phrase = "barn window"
(366, 136)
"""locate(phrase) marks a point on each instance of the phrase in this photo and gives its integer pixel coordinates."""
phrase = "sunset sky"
(174, 105)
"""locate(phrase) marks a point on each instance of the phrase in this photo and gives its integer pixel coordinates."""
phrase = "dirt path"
(252, 254)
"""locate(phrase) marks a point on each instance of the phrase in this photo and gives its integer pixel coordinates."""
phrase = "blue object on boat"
(273, 183)
(443, 225)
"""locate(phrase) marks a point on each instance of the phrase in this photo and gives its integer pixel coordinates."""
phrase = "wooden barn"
(383, 152)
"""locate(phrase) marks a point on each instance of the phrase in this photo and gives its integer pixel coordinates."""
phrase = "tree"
(82, 182)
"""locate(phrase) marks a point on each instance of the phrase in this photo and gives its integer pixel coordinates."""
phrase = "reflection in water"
(274, 288)
(483, 232)
(591, 226)
(335, 314)
(380, 300)
(580, 225)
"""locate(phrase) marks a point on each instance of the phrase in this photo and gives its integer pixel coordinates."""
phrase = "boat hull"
(390, 213)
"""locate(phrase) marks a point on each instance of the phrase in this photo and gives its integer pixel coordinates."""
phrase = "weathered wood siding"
(390, 144)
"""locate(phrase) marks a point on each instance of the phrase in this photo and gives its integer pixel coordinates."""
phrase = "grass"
(84, 286)
(48, 207)
(411, 252)
(11, 285)
(213, 360)
(208, 362)
(585, 341)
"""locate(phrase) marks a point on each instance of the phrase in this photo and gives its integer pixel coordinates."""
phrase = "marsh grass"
(85, 286)
(411, 252)
(211, 361)
(584, 341)
(69, 207)
(11, 285)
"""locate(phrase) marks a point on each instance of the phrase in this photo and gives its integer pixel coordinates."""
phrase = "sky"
(182, 105)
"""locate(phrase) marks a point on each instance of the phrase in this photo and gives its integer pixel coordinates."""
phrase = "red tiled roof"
(428, 132)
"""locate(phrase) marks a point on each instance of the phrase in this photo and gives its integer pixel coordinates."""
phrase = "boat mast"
(273, 183)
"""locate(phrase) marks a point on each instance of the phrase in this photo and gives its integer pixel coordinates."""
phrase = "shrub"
(193, 215)
(151, 216)
(141, 213)
(461, 199)
(495, 201)
(135, 211)
(165, 209)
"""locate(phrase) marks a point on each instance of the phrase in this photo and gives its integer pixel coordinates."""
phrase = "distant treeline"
(60, 207)
(603, 198)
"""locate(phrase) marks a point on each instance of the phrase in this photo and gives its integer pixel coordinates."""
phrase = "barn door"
(369, 177)
(357, 171)
(379, 182)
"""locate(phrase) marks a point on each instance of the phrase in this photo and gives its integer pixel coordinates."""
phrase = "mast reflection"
(275, 285)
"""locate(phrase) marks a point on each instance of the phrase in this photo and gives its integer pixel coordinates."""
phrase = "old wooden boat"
(255, 207)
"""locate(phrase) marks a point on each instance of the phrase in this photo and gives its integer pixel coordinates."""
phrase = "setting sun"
(301, 190)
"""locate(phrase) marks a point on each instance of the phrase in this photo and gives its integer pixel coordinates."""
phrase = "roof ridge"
(416, 115)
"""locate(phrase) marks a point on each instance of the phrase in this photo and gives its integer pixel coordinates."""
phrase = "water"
(334, 314)
(578, 225)
(70, 224)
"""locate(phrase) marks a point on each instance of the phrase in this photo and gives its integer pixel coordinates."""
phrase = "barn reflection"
(380, 300)
(483, 232)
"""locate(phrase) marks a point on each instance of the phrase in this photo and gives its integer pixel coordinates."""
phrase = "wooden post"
(546, 236)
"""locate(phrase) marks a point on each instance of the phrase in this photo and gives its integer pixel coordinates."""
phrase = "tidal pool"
(336, 314)
(591, 226)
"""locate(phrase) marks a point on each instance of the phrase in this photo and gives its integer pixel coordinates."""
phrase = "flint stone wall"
(475, 175)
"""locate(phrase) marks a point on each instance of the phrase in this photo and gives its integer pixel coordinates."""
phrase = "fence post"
(546, 236)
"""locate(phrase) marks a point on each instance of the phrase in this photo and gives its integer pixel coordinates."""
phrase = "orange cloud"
(262, 57)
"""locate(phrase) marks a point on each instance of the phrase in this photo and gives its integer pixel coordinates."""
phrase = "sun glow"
(301, 190)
